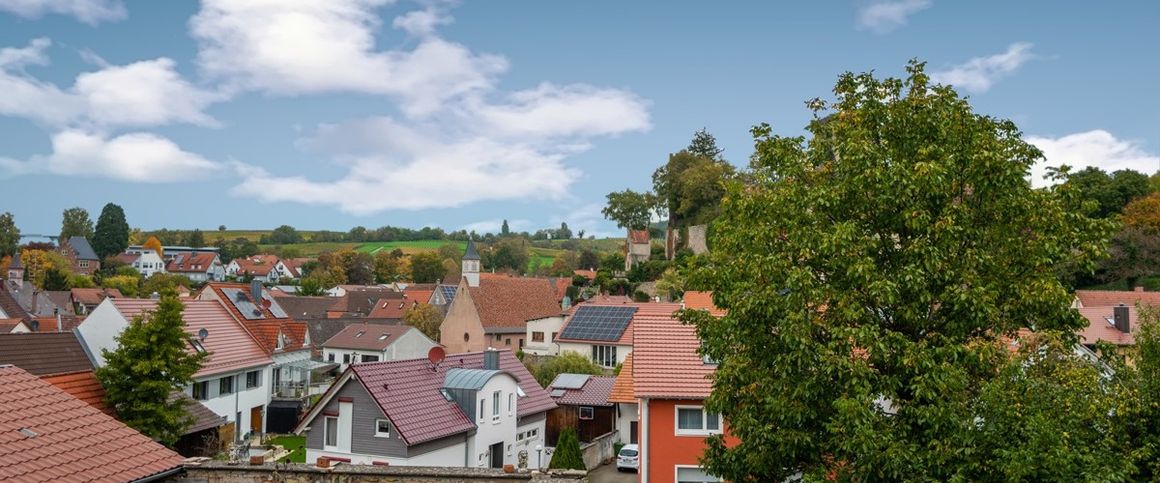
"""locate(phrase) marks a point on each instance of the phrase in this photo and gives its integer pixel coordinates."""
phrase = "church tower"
(470, 265)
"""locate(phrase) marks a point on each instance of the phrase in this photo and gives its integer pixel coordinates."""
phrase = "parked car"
(628, 458)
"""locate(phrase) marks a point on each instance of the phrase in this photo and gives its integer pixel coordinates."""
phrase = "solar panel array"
(570, 381)
(558, 392)
(448, 292)
(594, 322)
(243, 303)
(274, 307)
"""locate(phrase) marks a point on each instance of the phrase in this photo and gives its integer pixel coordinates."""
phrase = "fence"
(599, 450)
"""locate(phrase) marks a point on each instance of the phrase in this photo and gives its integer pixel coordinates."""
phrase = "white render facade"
(148, 262)
(236, 396)
(410, 345)
(541, 336)
(607, 354)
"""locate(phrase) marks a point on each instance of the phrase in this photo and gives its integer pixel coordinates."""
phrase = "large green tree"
(112, 234)
(630, 209)
(152, 360)
(1108, 192)
(509, 254)
(9, 235)
(76, 222)
(426, 318)
(867, 272)
(690, 185)
(568, 362)
(427, 267)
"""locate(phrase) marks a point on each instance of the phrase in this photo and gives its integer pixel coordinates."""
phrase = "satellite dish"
(436, 355)
(202, 334)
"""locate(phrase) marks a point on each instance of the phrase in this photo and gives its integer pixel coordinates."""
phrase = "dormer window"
(281, 341)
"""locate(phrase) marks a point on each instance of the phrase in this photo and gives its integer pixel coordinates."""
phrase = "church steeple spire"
(470, 264)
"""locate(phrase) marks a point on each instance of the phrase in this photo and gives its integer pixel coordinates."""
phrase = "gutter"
(162, 475)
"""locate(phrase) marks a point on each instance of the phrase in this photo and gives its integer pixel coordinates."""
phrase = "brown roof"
(293, 334)
(1100, 328)
(395, 308)
(1108, 298)
(127, 258)
(8, 303)
(44, 353)
(8, 325)
(375, 337)
(588, 274)
(257, 265)
(665, 360)
(294, 265)
(62, 299)
(361, 300)
(230, 345)
(702, 301)
(203, 418)
(300, 307)
(594, 392)
(622, 388)
(48, 435)
(639, 237)
(94, 296)
(322, 329)
(190, 262)
(509, 302)
(84, 386)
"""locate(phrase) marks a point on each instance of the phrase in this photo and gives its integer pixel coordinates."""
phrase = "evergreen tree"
(9, 235)
(56, 279)
(704, 144)
(196, 238)
(505, 230)
(150, 363)
(567, 455)
(112, 234)
(76, 222)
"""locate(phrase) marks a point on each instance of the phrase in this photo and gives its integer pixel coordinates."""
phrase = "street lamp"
(539, 462)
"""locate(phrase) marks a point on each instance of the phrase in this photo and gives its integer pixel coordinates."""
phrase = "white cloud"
(1096, 148)
(145, 93)
(421, 23)
(91, 12)
(980, 73)
(553, 111)
(137, 157)
(495, 226)
(882, 16)
(304, 46)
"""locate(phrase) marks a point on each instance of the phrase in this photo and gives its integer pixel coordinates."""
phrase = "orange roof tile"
(622, 389)
(702, 301)
(665, 360)
(84, 386)
(191, 262)
(1100, 329)
(257, 265)
(94, 296)
(48, 435)
(393, 308)
(1108, 298)
(509, 302)
(230, 345)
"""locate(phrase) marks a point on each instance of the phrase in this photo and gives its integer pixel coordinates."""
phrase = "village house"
(637, 248)
(291, 268)
(540, 335)
(481, 409)
(199, 266)
(80, 254)
(492, 311)
(49, 435)
(396, 308)
(359, 301)
(605, 332)
(25, 307)
(261, 267)
(671, 382)
(86, 299)
(361, 343)
(627, 410)
(145, 260)
(581, 404)
(234, 379)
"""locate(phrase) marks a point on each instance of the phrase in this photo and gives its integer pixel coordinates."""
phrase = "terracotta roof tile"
(294, 265)
(665, 360)
(1108, 298)
(257, 265)
(1100, 329)
(66, 439)
(84, 386)
(395, 308)
(190, 262)
(622, 389)
(94, 296)
(375, 337)
(595, 392)
(509, 302)
(44, 353)
(230, 345)
(408, 392)
(702, 301)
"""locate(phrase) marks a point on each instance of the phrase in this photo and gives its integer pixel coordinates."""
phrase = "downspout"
(237, 412)
(644, 446)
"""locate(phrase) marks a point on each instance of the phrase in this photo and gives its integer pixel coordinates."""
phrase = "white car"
(628, 458)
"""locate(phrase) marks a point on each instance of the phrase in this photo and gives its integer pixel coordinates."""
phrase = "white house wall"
(241, 400)
(100, 329)
(585, 349)
(548, 326)
(626, 416)
(489, 432)
(450, 456)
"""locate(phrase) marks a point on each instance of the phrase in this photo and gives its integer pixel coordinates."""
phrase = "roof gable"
(665, 360)
(376, 337)
(44, 353)
(622, 389)
(81, 247)
(592, 391)
(509, 302)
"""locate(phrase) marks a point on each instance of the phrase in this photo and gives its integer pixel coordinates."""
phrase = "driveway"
(608, 474)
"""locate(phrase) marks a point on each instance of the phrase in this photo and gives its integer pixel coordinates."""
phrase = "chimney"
(59, 322)
(256, 291)
(491, 359)
(1120, 315)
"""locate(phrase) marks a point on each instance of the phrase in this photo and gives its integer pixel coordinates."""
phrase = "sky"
(327, 115)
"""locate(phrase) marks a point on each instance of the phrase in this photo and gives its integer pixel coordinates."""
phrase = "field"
(409, 247)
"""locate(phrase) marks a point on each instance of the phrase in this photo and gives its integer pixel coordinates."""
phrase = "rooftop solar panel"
(570, 381)
(448, 292)
(243, 303)
(558, 392)
(601, 323)
(274, 307)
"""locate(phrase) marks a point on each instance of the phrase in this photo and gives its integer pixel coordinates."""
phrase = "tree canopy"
(426, 318)
(76, 222)
(427, 267)
(150, 363)
(111, 236)
(9, 235)
(568, 362)
(867, 273)
(630, 209)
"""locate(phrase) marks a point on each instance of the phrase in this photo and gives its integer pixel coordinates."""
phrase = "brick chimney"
(491, 359)
(1120, 315)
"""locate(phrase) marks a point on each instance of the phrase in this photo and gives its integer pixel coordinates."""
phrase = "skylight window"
(446, 395)
(384, 336)
(520, 392)
(359, 334)
(197, 346)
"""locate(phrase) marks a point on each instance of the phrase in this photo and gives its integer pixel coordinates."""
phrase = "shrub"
(567, 455)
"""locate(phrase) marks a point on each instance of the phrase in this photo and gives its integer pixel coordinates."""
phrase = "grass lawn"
(295, 444)
(311, 250)
(409, 247)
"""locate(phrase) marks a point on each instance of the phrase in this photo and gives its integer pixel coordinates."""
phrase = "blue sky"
(327, 115)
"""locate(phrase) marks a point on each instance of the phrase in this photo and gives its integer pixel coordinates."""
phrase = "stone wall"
(598, 450)
(224, 472)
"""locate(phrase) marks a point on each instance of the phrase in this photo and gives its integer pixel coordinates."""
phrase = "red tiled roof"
(294, 265)
(266, 332)
(640, 237)
(128, 258)
(1100, 329)
(395, 308)
(257, 265)
(702, 301)
(8, 325)
(94, 296)
(84, 386)
(231, 346)
(191, 262)
(509, 302)
(595, 392)
(665, 360)
(588, 274)
(1108, 298)
(626, 337)
(376, 337)
(408, 393)
(622, 388)
(70, 440)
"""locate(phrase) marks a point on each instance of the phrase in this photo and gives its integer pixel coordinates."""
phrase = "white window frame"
(591, 413)
(704, 431)
(326, 422)
(511, 403)
(257, 379)
(602, 354)
(378, 432)
(677, 471)
(495, 397)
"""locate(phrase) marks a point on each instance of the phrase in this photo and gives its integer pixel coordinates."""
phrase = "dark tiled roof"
(8, 303)
(94, 296)
(360, 301)
(470, 253)
(44, 353)
(63, 300)
(15, 263)
(203, 418)
(408, 392)
(595, 392)
(80, 246)
(48, 435)
(322, 329)
(376, 337)
(299, 307)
